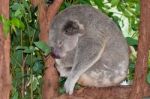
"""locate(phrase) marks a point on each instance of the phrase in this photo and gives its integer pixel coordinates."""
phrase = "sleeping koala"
(89, 48)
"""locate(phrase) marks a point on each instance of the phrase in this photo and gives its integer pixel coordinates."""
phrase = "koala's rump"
(111, 68)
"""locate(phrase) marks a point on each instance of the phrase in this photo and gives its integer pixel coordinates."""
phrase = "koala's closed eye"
(71, 28)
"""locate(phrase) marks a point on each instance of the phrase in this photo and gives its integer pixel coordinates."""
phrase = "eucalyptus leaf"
(17, 58)
(16, 22)
(1, 17)
(34, 83)
(131, 41)
(15, 6)
(18, 13)
(38, 67)
(6, 27)
(61, 90)
(30, 60)
(15, 94)
(114, 2)
(21, 47)
(29, 50)
(148, 77)
(67, 4)
(84, 1)
(43, 46)
(99, 3)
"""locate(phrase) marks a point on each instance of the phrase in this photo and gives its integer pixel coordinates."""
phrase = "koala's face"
(65, 40)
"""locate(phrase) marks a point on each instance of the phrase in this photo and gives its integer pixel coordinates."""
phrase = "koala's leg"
(88, 52)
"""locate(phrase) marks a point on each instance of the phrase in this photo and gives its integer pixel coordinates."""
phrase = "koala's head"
(65, 39)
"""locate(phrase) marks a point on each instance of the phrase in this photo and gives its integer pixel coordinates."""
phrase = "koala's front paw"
(69, 86)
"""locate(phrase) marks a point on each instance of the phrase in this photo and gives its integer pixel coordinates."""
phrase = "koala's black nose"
(55, 53)
(55, 56)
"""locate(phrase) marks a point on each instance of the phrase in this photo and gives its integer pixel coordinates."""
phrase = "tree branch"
(5, 77)
(45, 16)
(142, 56)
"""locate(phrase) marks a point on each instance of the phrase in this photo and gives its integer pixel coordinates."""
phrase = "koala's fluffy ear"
(72, 27)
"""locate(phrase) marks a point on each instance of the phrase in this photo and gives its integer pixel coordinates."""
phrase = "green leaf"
(15, 6)
(131, 41)
(18, 13)
(114, 2)
(6, 27)
(43, 46)
(62, 80)
(99, 3)
(137, 9)
(77, 86)
(38, 66)
(67, 4)
(61, 90)
(83, 1)
(1, 17)
(17, 58)
(14, 94)
(26, 49)
(29, 50)
(116, 19)
(34, 83)
(148, 77)
(16, 22)
(125, 10)
(30, 60)
(21, 47)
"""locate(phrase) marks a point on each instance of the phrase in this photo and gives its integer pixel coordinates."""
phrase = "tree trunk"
(139, 84)
(45, 16)
(5, 77)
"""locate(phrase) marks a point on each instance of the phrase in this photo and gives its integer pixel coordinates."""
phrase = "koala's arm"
(88, 52)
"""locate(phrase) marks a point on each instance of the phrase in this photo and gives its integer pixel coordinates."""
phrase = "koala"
(88, 47)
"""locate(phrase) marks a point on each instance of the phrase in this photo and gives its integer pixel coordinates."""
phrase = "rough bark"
(118, 92)
(139, 84)
(45, 16)
(5, 77)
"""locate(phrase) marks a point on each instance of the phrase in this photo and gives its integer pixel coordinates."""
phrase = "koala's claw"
(69, 87)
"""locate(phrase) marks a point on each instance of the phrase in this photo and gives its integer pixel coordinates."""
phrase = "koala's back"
(94, 21)
(112, 67)
(96, 24)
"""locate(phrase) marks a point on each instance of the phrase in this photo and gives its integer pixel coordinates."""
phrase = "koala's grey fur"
(90, 47)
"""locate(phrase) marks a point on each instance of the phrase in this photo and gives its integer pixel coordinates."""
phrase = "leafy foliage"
(26, 56)
(27, 51)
